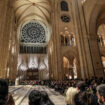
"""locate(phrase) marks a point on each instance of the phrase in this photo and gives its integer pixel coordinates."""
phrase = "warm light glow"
(66, 62)
(42, 66)
(33, 62)
(83, 1)
(66, 32)
(23, 67)
(61, 33)
(66, 28)
(8, 72)
(13, 50)
(103, 61)
(51, 48)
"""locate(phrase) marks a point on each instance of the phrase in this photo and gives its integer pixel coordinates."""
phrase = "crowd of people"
(76, 92)
(35, 97)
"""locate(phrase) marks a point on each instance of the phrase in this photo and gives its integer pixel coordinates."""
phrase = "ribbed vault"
(33, 18)
(32, 9)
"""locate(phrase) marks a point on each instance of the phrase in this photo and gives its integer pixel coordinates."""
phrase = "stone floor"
(20, 94)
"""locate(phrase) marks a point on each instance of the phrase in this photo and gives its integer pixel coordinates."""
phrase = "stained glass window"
(64, 6)
(33, 32)
(65, 18)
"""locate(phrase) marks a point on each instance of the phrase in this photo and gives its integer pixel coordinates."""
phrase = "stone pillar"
(50, 60)
(82, 40)
(6, 20)
(57, 38)
(55, 48)
(96, 56)
(90, 59)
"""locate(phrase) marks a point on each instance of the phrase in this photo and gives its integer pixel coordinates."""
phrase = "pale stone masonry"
(74, 36)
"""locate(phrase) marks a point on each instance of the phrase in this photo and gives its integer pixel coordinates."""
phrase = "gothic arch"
(96, 18)
(96, 12)
(71, 56)
(64, 6)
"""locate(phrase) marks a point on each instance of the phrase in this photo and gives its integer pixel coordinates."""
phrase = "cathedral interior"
(58, 41)
(52, 39)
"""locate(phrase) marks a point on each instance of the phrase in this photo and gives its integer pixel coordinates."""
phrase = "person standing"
(101, 94)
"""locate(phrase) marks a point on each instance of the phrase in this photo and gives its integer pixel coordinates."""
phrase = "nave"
(20, 94)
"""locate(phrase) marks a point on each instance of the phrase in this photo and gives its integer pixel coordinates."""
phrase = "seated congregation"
(76, 92)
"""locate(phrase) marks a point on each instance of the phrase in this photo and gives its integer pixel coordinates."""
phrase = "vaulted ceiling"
(32, 9)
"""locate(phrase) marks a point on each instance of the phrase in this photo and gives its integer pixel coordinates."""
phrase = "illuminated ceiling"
(32, 9)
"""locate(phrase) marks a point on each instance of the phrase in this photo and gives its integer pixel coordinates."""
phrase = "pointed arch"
(64, 6)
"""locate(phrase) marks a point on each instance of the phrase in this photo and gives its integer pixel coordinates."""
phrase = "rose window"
(33, 32)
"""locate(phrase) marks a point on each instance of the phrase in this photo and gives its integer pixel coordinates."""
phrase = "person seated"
(35, 98)
(101, 94)
(70, 94)
(45, 100)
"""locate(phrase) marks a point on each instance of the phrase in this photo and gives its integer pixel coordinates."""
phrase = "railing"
(33, 49)
(68, 41)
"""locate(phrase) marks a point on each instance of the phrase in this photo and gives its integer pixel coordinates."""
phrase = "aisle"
(20, 94)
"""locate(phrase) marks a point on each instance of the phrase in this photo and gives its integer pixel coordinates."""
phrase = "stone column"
(82, 40)
(56, 59)
(6, 20)
(96, 56)
(90, 59)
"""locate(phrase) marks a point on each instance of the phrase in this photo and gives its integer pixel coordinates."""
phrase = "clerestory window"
(64, 6)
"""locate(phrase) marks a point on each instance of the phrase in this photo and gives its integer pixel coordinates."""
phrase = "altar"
(32, 74)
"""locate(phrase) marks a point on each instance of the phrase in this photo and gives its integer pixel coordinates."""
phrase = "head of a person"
(3, 92)
(82, 98)
(45, 100)
(44, 96)
(70, 95)
(34, 97)
(101, 93)
(81, 86)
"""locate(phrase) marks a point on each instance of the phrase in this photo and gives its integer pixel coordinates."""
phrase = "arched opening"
(96, 39)
(70, 68)
(64, 6)
(103, 62)
(101, 35)
(101, 43)
(33, 67)
(67, 38)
